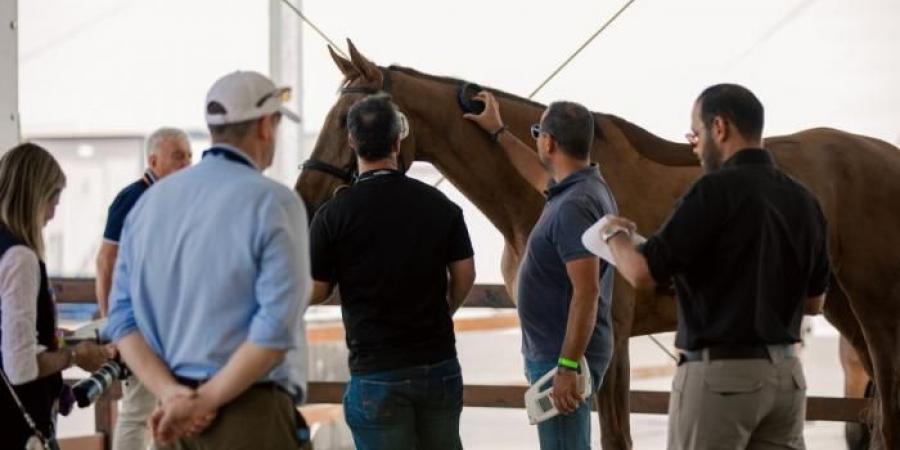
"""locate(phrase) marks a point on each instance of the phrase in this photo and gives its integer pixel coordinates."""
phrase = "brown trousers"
(755, 404)
(263, 417)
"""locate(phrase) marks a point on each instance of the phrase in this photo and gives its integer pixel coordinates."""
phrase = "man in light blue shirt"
(212, 281)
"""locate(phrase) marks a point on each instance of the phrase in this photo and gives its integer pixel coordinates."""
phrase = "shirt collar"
(750, 156)
(236, 152)
(555, 188)
(150, 177)
(370, 174)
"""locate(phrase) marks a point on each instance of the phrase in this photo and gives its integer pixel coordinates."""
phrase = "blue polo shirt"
(544, 289)
(213, 256)
(122, 205)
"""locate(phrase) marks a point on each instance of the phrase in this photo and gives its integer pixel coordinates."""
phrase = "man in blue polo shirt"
(212, 281)
(168, 150)
(564, 292)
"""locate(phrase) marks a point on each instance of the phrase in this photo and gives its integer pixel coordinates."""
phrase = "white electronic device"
(591, 241)
(537, 400)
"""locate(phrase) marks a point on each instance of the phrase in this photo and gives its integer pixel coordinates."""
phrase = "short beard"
(711, 159)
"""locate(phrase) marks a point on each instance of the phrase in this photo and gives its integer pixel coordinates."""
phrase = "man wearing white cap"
(211, 283)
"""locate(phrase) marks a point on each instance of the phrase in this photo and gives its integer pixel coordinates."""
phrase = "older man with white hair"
(168, 150)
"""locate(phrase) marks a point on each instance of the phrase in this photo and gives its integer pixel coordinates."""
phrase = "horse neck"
(466, 156)
(646, 173)
(645, 143)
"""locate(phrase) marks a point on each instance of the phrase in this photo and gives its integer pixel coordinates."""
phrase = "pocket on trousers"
(453, 390)
(379, 399)
(799, 378)
(680, 378)
(731, 383)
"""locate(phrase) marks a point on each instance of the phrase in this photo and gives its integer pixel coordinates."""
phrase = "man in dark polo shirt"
(564, 292)
(399, 251)
(746, 250)
(168, 150)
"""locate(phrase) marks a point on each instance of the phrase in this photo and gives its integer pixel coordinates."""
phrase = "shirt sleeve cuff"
(271, 334)
(653, 251)
(115, 331)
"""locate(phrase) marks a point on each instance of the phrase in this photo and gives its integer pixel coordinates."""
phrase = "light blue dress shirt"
(211, 257)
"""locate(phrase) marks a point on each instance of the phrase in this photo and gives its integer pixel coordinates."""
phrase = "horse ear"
(345, 66)
(365, 67)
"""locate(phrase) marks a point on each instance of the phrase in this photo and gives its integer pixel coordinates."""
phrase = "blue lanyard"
(230, 155)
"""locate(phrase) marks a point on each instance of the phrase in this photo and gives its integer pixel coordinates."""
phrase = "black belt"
(734, 352)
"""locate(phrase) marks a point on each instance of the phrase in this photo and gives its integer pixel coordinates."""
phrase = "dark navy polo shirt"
(122, 205)
(544, 289)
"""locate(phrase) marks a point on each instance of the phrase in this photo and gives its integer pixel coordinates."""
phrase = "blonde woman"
(31, 358)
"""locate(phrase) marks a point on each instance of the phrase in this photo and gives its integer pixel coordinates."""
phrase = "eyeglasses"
(692, 138)
(283, 94)
(536, 131)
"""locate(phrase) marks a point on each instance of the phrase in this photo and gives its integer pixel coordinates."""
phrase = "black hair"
(735, 104)
(374, 127)
(572, 126)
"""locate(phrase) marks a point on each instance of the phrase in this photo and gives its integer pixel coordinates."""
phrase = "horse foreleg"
(612, 400)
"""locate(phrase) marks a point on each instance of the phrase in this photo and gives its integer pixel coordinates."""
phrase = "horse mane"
(645, 143)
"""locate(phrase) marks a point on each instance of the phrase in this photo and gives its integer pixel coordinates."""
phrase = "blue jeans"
(564, 432)
(410, 408)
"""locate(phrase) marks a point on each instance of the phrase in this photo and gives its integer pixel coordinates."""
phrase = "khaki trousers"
(137, 404)
(263, 417)
(729, 404)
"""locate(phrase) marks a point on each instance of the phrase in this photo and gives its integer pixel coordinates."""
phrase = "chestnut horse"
(854, 177)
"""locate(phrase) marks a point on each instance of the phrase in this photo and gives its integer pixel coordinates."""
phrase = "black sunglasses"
(536, 131)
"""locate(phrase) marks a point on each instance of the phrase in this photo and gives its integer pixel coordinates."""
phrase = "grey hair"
(155, 140)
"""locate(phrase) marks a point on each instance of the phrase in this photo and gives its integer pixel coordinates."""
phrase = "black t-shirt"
(745, 247)
(386, 243)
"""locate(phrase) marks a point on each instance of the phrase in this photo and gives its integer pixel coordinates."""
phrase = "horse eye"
(343, 120)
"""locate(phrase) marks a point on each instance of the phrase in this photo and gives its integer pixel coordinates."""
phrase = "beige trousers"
(137, 404)
(755, 404)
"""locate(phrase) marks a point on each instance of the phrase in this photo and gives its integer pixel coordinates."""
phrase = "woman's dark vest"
(38, 396)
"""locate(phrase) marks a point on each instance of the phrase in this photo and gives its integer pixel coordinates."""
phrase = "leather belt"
(736, 352)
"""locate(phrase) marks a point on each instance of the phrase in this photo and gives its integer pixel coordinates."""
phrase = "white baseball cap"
(245, 95)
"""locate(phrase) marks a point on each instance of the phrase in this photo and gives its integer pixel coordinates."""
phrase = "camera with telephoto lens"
(88, 390)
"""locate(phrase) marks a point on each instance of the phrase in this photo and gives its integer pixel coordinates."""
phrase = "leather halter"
(349, 173)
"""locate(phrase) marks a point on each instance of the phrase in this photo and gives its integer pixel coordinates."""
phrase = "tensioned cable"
(315, 28)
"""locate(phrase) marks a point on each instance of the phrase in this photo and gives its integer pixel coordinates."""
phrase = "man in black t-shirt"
(400, 253)
(746, 250)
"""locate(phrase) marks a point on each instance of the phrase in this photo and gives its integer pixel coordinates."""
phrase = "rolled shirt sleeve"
(19, 281)
(283, 284)
(459, 245)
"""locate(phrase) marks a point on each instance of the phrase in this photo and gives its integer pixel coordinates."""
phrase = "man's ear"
(720, 129)
(153, 160)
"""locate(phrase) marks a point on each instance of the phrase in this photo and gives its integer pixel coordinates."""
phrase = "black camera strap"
(28, 419)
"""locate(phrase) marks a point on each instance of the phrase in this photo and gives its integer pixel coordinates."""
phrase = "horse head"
(332, 164)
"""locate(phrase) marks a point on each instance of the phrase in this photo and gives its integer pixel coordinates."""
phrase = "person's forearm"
(458, 292)
(580, 324)
(146, 365)
(246, 366)
(103, 284)
(525, 160)
(630, 263)
(52, 362)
